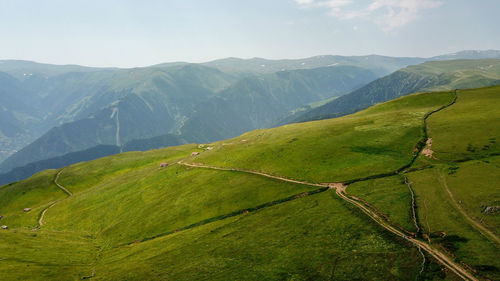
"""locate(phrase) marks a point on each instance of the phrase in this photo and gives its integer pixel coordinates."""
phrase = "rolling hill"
(432, 75)
(74, 111)
(170, 98)
(391, 192)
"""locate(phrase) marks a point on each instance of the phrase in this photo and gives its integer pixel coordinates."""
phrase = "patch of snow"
(303, 63)
(333, 64)
(263, 65)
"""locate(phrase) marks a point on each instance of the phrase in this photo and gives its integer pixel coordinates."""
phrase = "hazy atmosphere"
(288, 140)
(139, 33)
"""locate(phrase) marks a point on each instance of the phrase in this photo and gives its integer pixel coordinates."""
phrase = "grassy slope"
(45, 255)
(127, 197)
(459, 74)
(36, 193)
(315, 238)
(390, 195)
(428, 76)
(377, 140)
(467, 130)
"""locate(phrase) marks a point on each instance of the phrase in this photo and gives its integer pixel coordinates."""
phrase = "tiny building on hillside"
(27, 209)
(4, 227)
(195, 153)
(163, 165)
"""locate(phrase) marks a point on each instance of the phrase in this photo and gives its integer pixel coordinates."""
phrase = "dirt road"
(42, 215)
(341, 192)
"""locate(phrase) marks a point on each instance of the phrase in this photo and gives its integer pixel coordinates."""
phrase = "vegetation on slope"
(77, 111)
(460, 181)
(129, 218)
(375, 141)
(433, 75)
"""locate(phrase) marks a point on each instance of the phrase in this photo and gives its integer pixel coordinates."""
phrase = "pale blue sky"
(128, 33)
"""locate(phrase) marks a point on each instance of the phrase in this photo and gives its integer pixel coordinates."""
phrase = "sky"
(129, 33)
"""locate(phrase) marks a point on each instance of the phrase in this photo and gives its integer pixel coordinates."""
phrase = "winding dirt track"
(198, 165)
(60, 186)
(438, 255)
(42, 215)
(340, 190)
(40, 221)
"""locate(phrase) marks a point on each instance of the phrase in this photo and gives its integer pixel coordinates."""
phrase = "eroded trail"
(65, 190)
(60, 186)
(198, 165)
(438, 255)
(366, 208)
(341, 192)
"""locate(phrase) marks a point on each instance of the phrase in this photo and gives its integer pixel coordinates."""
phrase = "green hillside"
(428, 76)
(271, 204)
(78, 110)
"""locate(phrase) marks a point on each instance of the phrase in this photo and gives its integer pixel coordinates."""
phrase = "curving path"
(198, 165)
(438, 255)
(60, 186)
(341, 192)
(64, 189)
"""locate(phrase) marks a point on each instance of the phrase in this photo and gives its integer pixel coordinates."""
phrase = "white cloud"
(304, 2)
(388, 14)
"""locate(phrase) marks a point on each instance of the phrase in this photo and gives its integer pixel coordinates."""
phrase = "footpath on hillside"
(365, 207)
(52, 204)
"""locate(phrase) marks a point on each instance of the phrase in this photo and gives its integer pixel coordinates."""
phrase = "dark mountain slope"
(258, 101)
(197, 103)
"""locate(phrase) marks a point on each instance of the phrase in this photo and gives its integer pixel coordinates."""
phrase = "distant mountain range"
(429, 76)
(63, 109)
(48, 111)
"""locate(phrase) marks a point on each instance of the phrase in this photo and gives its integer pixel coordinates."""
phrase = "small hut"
(163, 165)
(243, 141)
(195, 153)
(209, 148)
(4, 227)
(27, 209)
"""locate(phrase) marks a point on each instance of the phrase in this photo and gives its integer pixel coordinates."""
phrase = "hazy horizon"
(129, 34)
(242, 58)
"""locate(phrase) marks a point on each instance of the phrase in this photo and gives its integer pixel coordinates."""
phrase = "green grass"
(314, 238)
(374, 141)
(470, 129)
(458, 74)
(438, 214)
(474, 184)
(45, 255)
(35, 193)
(466, 131)
(81, 176)
(390, 195)
(196, 216)
(152, 201)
